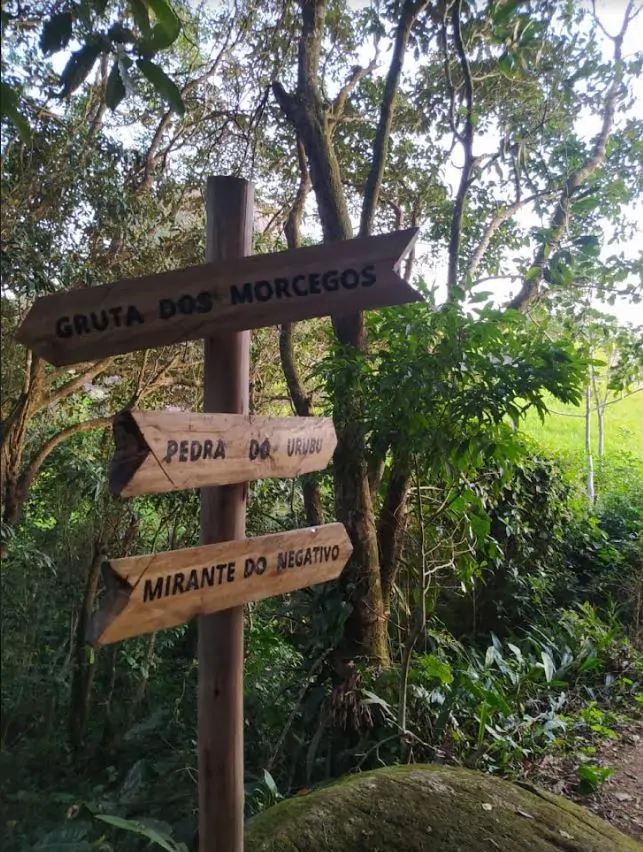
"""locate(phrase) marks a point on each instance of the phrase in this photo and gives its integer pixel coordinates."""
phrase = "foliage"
(511, 608)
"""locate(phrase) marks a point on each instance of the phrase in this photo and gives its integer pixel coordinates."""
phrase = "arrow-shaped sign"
(245, 293)
(159, 451)
(147, 593)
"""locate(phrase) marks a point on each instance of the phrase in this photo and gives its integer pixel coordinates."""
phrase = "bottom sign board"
(160, 590)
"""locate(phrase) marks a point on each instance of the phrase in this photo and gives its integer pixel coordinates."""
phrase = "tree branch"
(55, 396)
(31, 471)
(530, 290)
(467, 145)
(410, 11)
(493, 226)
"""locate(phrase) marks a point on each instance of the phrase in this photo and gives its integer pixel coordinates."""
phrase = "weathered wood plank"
(161, 590)
(229, 295)
(159, 451)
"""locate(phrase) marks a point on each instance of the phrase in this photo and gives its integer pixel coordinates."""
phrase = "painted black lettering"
(133, 315)
(196, 448)
(168, 583)
(282, 561)
(219, 453)
(308, 558)
(326, 551)
(330, 281)
(261, 565)
(204, 303)
(116, 315)
(178, 583)
(263, 291)
(291, 446)
(368, 276)
(298, 446)
(240, 295)
(350, 279)
(264, 449)
(63, 327)
(186, 305)
(220, 570)
(253, 449)
(335, 552)
(316, 552)
(207, 576)
(101, 321)
(313, 283)
(152, 592)
(291, 558)
(183, 451)
(81, 325)
(167, 308)
(207, 449)
(231, 566)
(193, 582)
(248, 568)
(281, 288)
(295, 285)
(172, 450)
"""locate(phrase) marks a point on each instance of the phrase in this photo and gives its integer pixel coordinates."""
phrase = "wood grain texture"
(226, 385)
(232, 294)
(160, 451)
(144, 593)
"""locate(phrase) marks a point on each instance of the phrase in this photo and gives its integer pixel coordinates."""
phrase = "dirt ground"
(620, 799)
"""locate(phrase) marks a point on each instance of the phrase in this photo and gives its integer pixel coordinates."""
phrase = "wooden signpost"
(218, 451)
(159, 451)
(147, 593)
(231, 295)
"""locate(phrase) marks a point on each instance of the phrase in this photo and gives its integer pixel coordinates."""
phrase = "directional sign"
(159, 451)
(147, 593)
(245, 293)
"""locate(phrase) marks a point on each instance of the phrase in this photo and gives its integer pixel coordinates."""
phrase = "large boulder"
(431, 809)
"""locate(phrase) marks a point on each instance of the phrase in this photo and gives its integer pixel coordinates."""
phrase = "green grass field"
(563, 435)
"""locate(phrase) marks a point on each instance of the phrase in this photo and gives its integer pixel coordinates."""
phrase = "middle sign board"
(159, 451)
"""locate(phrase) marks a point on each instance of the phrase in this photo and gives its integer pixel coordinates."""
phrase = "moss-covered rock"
(431, 809)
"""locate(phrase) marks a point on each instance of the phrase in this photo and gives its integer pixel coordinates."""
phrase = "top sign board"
(233, 295)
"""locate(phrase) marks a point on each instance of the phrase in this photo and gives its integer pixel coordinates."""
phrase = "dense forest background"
(489, 468)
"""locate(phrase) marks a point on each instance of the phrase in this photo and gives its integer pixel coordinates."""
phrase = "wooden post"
(229, 211)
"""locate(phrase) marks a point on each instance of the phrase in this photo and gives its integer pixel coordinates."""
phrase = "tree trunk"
(13, 435)
(300, 400)
(589, 460)
(392, 523)
(84, 668)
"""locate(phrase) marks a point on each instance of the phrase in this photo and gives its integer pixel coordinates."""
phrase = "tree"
(501, 66)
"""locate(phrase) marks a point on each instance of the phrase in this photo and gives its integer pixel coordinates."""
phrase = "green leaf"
(56, 33)
(166, 88)
(71, 837)
(9, 101)
(434, 667)
(141, 16)
(80, 64)
(115, 91)
(502, 13)
(548, 666)
(593, 776)
(168, 20)
(269, 781)
(164, 33)
(154, 831)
